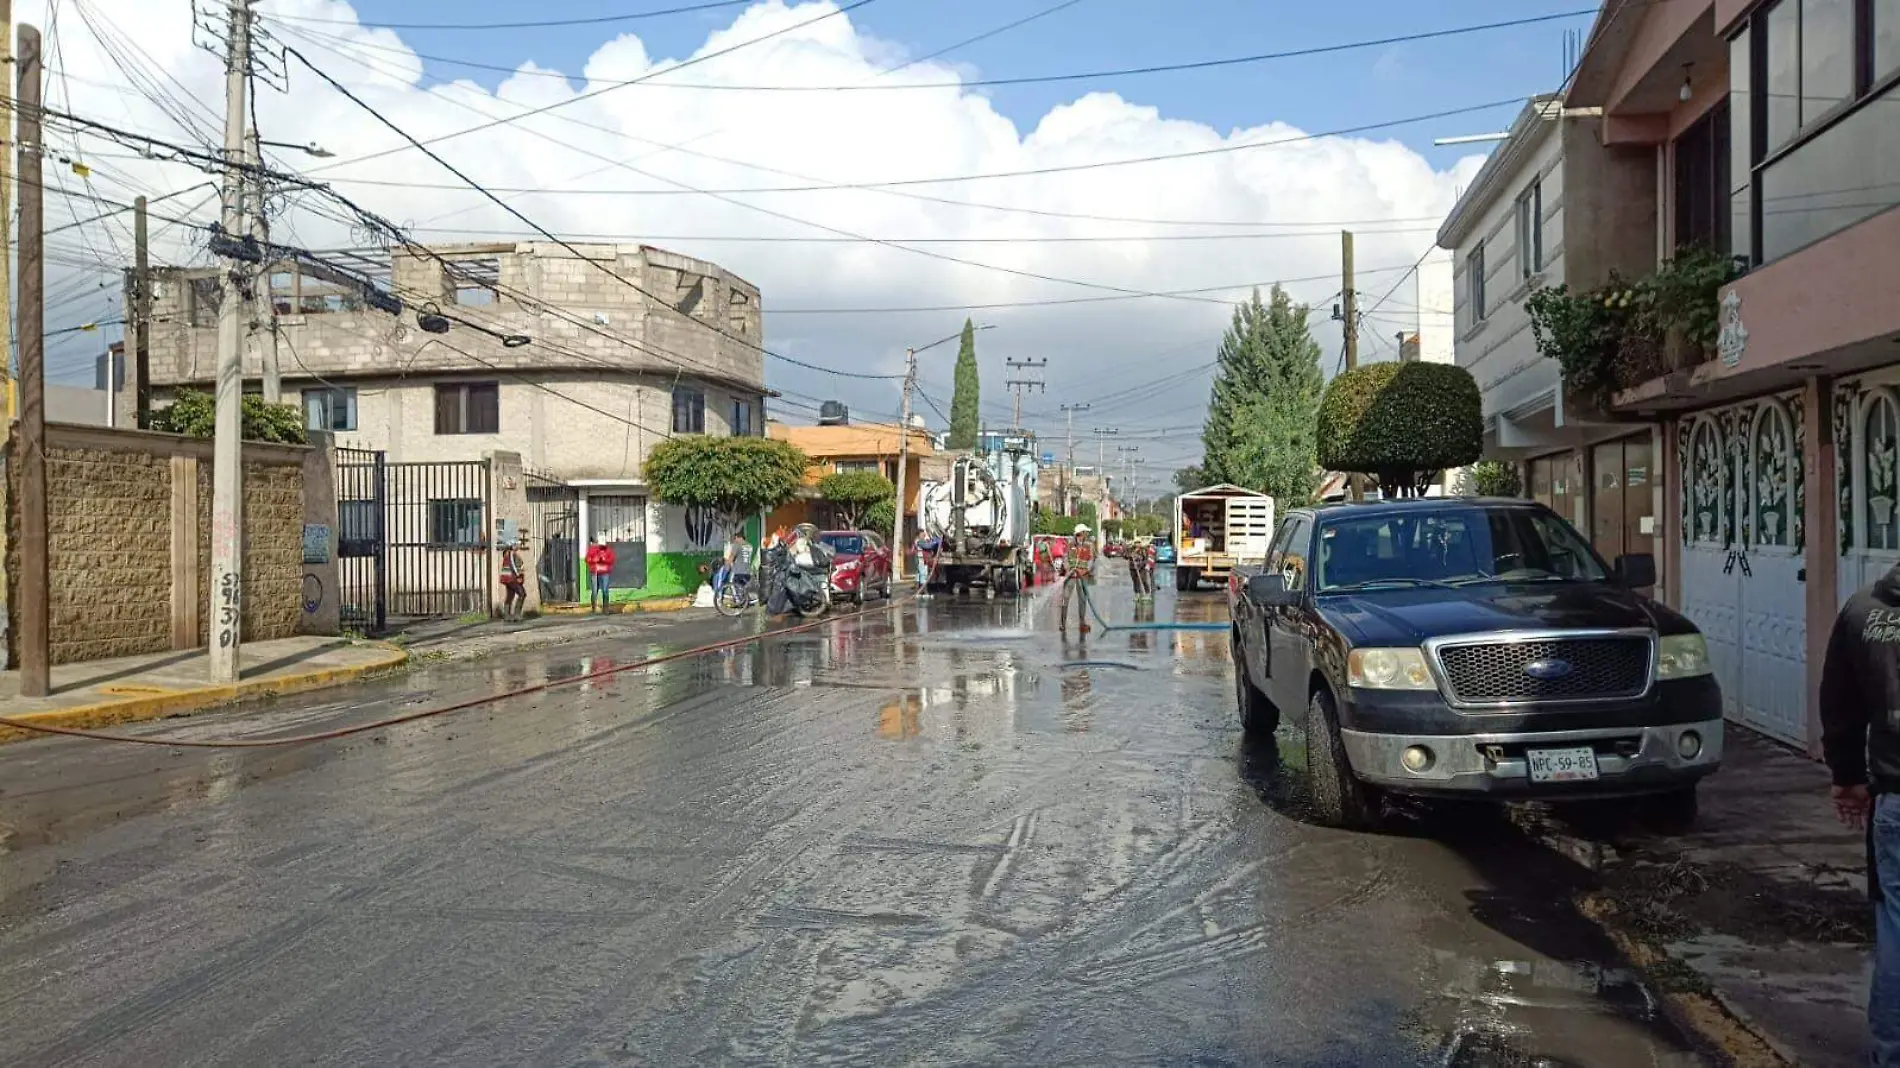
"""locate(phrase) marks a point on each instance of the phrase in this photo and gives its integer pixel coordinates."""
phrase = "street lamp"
(312, 148)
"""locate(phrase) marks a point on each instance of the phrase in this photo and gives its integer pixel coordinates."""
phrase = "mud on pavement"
(927, 836)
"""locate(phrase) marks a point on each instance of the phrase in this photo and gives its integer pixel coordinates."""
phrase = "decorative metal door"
(1743, 545)
(412, 539)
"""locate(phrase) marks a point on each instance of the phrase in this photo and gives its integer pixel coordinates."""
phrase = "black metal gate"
(554, 532)
(412, 539)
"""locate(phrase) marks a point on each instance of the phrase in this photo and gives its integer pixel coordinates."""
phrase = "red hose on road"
(408, 717)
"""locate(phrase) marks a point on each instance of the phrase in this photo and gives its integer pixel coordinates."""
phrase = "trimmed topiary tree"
(1401, 423)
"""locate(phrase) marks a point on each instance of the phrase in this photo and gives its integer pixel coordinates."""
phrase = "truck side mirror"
(1268, 589)
(1636, 571)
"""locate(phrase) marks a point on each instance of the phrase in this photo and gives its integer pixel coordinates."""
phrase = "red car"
(860, 563)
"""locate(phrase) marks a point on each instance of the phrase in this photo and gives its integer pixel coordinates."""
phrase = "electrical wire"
(493, 196)
(1031, 172)
(1033, 79)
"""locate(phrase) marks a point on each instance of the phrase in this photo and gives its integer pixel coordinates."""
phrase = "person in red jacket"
(600, 569)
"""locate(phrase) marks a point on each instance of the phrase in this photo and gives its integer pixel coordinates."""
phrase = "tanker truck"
(980, 516)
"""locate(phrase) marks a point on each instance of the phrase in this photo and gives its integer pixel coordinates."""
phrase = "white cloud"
(838, 136)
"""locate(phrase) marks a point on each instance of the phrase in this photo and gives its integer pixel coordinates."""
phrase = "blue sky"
(1316, 93)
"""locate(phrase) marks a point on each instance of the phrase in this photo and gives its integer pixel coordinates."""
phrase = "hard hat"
(1081, 528)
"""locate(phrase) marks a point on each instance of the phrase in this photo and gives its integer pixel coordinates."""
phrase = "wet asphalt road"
(912, 837)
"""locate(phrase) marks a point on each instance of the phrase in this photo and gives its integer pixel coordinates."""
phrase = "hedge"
(1400, 421)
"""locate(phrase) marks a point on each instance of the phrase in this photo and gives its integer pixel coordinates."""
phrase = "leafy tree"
(854, 492)
(1496, 478)
(736, 477)
(881, 517)
(195, 414)
(964, 417)
(1190, 478)
(1402, 422)
(1259, 427)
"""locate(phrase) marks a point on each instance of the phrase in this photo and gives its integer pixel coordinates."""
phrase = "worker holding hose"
(1081, 562)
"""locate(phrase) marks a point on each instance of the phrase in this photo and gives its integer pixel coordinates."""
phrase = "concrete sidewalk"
(105, 692)
(1762, 906)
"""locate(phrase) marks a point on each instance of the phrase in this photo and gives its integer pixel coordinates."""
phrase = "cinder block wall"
(128, 529)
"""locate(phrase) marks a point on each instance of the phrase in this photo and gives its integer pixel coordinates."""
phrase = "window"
(1885, 17)
(207, 294)
(1463, 544)
(849, 466)
(455, 522)
(1530, 231)
(689, 411)
(356, 527)
(471, 282)
(283, 288)
(1474, 282)
(1827, 56)
(329, 409)
(741, 419)
(1782, 47)
(1702, 182)
(468, 408)
(1293, 558)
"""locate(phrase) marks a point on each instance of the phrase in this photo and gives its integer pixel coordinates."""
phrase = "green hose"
(1089, 603)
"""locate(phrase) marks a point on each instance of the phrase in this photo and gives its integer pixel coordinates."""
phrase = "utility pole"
(141, 316)
(1348, 299)
(1102, 434)
(262, 321)
(227, 472)
(6, 240)
(1127, 454)
(35, 577)
(1068, 473)
(1018, 385)
(900, 549)
(1349, 302)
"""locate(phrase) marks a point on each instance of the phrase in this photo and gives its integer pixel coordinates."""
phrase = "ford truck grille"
(1554, 669)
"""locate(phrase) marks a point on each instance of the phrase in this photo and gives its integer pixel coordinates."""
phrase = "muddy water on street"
(937, 835)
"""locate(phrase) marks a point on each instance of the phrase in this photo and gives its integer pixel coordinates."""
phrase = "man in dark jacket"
(1860, 736)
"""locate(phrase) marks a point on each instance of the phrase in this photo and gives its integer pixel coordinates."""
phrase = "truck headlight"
(1682, 656)
(1389, 669)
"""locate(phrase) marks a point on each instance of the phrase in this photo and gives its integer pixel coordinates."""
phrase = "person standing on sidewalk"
(600, 569)
(1860, 739)
(514, 581)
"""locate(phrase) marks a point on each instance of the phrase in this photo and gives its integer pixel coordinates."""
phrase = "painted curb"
(624, 608)
(137, 709)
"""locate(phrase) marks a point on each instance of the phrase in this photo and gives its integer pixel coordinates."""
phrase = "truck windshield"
(1453, 546)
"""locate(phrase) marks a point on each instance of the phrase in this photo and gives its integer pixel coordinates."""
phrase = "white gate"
(1867, 444)
(1743, 543)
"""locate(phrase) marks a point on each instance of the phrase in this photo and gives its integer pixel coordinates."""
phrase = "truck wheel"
(1258, 717)
(1183, 580)
(1339, 798)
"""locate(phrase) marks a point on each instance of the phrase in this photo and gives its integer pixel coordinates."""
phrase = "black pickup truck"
(1471, 648)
